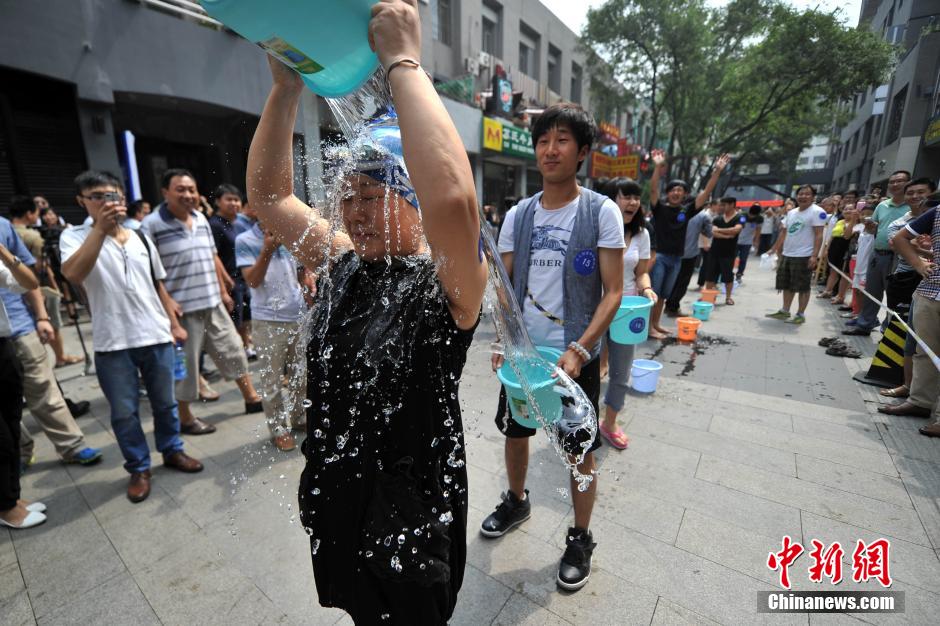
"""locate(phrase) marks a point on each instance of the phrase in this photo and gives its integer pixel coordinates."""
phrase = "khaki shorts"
(793, 274)
(212, 330)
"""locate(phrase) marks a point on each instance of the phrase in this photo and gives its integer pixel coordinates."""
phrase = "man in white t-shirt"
(133, 324)
(563, 250)
(277, 303)
(800, 239)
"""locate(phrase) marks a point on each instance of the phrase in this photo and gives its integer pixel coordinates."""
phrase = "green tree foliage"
(755, 77)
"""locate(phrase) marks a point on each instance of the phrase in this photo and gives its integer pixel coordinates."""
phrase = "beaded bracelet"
(580, 350)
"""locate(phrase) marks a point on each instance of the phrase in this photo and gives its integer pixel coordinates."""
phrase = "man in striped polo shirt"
(187, 249)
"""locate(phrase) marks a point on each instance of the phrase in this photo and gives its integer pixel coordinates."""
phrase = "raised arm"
(659, 166)
(436, 160)
(270, 176)
(720, 164)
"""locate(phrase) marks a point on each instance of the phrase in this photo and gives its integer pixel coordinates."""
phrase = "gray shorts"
(212, 330)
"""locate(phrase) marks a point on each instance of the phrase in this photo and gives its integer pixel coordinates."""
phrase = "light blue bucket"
(631, 323)
(325, 41)
(645, 375)
(538, 374)
(702, 310)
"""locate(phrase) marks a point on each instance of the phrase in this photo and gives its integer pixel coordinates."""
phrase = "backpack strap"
(153, 275)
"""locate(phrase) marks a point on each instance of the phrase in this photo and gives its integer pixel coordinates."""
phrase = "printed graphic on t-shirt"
(552, 238)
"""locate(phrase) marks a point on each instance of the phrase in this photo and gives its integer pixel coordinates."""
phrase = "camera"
(112, 196)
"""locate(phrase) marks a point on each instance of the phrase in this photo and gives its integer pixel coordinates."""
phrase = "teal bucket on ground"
(645, 375)
(325, 41)
(631, 322)
(538, 375)
(702, 310)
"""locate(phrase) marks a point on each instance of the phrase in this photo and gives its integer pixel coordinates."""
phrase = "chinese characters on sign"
(603, 166)
(869, 561)
(506, 138)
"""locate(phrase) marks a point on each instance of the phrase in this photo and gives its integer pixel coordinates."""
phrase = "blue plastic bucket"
(645, 375)
(702, 310)
(538, 375)
(326, 41)
(631, 323)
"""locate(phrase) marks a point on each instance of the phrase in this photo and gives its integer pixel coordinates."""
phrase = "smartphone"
(861, 204)
(112, 196)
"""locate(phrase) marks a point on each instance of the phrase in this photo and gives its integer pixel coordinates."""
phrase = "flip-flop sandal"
(843, 351)
(825, 342)
(69, 360)
(729, 302)
(617, 439)
(824, 294)
(895, 393)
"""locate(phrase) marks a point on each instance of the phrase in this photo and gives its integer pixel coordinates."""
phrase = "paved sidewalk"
(753, 434)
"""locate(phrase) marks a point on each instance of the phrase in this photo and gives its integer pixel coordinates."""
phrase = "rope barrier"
(920, 342)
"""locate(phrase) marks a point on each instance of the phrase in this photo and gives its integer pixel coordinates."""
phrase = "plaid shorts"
(793, 274)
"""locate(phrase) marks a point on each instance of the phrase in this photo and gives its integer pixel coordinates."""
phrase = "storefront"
(509, 170)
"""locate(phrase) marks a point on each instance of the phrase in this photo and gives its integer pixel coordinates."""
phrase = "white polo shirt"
(125, 309)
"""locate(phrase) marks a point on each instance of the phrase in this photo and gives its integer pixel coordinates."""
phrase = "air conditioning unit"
(484, 59)
(471, 65)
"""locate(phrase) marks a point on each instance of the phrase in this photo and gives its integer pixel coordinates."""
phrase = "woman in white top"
(636, 281)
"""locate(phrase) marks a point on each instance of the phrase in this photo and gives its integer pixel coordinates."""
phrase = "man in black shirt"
(671, 217)
(726, 227)
(228, 202)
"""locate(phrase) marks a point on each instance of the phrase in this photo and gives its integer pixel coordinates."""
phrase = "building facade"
(138, 86)
(895, 126)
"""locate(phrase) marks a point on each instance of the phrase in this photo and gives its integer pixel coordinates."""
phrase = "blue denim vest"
(582, 286)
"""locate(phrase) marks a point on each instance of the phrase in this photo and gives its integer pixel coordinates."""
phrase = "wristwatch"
(16, 261)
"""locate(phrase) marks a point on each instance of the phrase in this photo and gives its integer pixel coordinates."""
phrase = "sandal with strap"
(843, 351)
(898, 392)
(825, 342)
(616, 438)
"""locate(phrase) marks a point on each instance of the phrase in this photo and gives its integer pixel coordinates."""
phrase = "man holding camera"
(134, 326)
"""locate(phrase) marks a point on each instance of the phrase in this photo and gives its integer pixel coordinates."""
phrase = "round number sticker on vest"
(822, 215)
(637, 325)
(585, 262)
(680, 217)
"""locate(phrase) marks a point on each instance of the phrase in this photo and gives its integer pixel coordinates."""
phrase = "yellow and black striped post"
(887, 366)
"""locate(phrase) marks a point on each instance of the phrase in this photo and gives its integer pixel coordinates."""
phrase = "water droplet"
(446, 517)
(314, 546)
(401, 539)
(396, 564)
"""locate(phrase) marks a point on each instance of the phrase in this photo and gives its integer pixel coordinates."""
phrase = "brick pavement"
(753, 435)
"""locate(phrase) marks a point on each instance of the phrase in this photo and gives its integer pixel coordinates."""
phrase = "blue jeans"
(664, 273)
(117, 374)
(619, 364)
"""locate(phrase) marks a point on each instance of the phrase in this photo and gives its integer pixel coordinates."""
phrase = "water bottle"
(325, 41)
(179, 362)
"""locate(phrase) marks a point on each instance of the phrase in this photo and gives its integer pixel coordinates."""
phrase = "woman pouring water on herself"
(384, 492)
(636, 282)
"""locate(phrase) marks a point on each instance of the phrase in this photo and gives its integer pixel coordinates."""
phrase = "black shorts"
(837, 249)
(719, 267)
(589, 381)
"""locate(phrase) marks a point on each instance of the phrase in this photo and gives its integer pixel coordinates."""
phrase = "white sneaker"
(38, 507)
(33, 519)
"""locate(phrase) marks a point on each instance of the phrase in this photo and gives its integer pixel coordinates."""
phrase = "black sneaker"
(77, 409)
(575, 567)
(510, 513)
